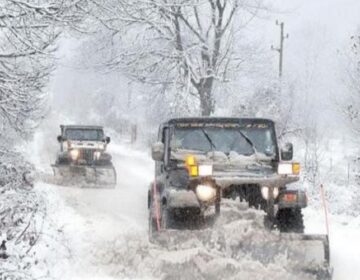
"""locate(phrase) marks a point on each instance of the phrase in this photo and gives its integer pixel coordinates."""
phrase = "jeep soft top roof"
(81, 126)
(217, 120)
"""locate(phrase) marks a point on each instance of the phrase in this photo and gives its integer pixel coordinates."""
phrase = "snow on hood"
(96, 145)
(234, 157)
(221, 157)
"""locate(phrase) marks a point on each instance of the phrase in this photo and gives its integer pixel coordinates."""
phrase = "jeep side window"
(163, 136)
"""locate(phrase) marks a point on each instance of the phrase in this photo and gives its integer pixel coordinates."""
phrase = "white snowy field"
(102, 234)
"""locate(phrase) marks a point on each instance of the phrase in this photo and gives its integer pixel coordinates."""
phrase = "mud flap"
(85, 176)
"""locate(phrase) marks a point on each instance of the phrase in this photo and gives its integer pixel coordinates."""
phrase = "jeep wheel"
(269, 222)
(165, 218)
(290, 220)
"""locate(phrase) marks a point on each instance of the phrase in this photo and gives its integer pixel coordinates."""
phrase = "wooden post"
(133, 133)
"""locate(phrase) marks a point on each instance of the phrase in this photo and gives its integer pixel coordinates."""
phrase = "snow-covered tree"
(274, 101)
(28, 32)
(181, 46)
(351, 107)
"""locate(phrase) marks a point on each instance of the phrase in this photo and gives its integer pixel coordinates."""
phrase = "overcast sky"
(317, 26)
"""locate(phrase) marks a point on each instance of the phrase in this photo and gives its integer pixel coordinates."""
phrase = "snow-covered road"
(89, 219)
(126, 204)
(103, 235)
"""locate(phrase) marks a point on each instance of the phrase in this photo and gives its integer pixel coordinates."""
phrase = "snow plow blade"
(85, 176)
(299, 254)
(310, 252)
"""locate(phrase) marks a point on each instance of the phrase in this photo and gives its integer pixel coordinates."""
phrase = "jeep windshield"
(84, 134)
(241, 139)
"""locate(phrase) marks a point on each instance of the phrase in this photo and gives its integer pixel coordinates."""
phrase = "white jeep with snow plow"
(200, 161)
(82, 159)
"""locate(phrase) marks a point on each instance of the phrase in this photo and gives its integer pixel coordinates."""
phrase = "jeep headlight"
(289, 168)
(195, 170)
(97, 155)
(200, 170)
(101, 146)
(205, 170)
(74, 154)
(205, 192)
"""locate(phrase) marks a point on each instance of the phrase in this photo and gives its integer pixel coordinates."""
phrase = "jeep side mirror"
(59, 138)
(157, 151)
(287, 152)
(107, 139)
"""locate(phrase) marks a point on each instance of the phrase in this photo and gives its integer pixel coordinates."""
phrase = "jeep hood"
(235, 169)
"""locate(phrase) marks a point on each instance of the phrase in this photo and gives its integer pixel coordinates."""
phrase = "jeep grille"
(87, 155)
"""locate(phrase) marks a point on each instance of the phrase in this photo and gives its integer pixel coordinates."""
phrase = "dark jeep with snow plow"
(199, 161)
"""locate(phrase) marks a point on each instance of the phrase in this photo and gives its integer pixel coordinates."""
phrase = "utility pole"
(281, 48)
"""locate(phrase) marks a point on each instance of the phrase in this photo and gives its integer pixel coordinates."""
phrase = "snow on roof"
(82, 126)
(217, 119)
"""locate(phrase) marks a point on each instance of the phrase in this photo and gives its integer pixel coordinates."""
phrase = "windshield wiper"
(247, 139)
(213, 147)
